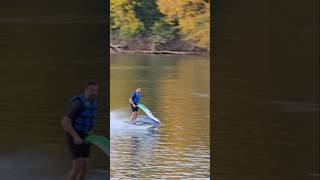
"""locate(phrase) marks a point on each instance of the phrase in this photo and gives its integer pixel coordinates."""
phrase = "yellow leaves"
(163, 20)
(193, 18)
(124, 18)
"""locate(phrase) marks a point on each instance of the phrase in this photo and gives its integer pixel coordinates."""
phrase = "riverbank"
(125, 49)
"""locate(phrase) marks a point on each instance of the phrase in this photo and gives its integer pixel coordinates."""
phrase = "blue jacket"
(136, 96)
(85, 120)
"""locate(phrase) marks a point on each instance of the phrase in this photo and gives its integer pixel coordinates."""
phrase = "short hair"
(89, 83)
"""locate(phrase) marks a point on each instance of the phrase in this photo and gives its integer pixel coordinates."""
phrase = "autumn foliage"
(162, 21)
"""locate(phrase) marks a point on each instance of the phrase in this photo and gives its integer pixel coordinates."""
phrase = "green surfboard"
(148, 112)
(101, 142)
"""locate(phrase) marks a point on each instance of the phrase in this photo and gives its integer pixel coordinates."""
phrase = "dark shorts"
(78, 151)
(134, 109)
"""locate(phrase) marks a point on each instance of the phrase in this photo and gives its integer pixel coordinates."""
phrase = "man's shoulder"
(76, 102)
(74, 108)
(78, 97)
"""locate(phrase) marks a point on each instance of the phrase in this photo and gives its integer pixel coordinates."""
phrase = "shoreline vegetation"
(123, 49)
(160, 27)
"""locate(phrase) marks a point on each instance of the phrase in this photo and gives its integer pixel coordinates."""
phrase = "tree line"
(161, 24)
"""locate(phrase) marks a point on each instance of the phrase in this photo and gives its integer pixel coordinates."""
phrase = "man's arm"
(66, 121)
(131, 102)
(67, 126)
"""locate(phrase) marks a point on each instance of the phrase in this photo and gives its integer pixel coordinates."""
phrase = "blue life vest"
(136, 96)
(85, 120)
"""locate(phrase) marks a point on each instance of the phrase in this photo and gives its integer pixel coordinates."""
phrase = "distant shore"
(123, 49)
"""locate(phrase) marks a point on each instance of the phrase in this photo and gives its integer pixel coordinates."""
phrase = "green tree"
(148, 13)
(162, 32)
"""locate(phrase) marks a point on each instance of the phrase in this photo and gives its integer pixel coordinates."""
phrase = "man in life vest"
(79, 122)
(134, 100)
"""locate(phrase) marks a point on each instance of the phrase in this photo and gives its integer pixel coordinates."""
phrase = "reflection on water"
(48, 50)
(176, 90)
(265, 127)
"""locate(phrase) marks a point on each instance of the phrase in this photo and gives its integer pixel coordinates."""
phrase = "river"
(176, 90)
(48, 51)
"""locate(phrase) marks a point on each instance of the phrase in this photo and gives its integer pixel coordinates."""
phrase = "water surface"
(176, 90)
(47, 52)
